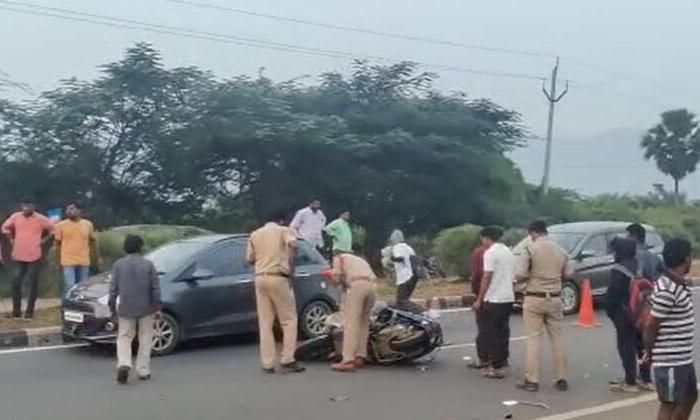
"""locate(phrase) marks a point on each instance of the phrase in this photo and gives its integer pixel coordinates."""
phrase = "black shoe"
(145, 377)
(293, 367)
(269, 371)
(528, 386)
(562, 385)
(123, 374)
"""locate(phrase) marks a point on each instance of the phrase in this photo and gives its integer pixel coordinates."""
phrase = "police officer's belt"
(542, 294)
(268, 274)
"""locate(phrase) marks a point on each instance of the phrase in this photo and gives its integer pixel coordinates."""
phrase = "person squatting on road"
(406, 279)
(629, 339)
(24, 231)
(543, 265)
(357, 277)
(74, 239)
(308, 224)
(272, 250)
(134, 296)
(494, 303)
(669, 336)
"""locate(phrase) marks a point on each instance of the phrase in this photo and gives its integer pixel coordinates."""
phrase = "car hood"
(93, 287)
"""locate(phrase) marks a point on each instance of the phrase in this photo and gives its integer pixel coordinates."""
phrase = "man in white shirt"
(308, 223)
(495, 302)
(401, 253)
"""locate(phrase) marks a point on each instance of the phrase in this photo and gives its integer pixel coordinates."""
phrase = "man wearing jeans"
(74, 238)
(136, 286)
(494, 303)
(24, 230)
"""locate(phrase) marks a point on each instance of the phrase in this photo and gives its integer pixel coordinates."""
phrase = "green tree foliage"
(143, 143)
(674, 144)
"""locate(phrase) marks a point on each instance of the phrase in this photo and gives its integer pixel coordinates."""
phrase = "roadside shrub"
(453, 246)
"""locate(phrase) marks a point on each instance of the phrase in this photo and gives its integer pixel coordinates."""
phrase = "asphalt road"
(222, 381)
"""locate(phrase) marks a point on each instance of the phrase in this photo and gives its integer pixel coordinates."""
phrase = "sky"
(627, 61)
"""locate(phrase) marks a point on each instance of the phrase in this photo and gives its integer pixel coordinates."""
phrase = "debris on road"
(538, 404)
(338, 398)
(467, 358)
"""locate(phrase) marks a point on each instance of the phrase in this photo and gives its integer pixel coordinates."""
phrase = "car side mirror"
(201, 274)
(586, 253)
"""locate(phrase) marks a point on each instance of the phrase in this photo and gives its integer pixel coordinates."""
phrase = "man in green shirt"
(339, 230)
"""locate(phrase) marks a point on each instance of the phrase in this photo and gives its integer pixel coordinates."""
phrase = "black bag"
(420, 271)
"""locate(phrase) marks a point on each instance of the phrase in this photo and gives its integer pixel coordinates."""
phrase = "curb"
(31, 337)
(445, 302)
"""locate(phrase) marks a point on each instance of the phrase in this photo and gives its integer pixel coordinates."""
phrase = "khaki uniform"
(361, 295)
(268, 249)
(543, 263)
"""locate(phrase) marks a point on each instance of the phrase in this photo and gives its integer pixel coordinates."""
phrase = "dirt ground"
(427, 289)
(42, 318)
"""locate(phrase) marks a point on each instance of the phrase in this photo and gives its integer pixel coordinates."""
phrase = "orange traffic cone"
(586, 315)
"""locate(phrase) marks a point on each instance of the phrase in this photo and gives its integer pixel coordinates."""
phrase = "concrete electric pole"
(553, 99)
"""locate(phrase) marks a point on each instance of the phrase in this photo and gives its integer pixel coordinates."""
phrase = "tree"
(674, 145)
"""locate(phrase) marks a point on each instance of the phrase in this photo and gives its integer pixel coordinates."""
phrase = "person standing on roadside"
(134, 297)
(357, 277)
(651, 265)
(272, 250)
(406, 280)
(543, 265)
(340, 232)
(24, 231)
(494, 302)
(629, 339)
(476, 274)
(308, 224)
(669, 336)
(74, 238)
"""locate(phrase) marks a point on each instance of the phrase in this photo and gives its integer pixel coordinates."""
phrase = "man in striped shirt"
(669, 335)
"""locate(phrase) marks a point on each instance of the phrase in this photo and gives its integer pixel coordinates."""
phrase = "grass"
(42, 318)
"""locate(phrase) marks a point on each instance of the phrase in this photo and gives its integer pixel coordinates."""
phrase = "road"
(222, 381)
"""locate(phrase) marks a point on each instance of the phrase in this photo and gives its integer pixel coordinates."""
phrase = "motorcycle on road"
(395, 336)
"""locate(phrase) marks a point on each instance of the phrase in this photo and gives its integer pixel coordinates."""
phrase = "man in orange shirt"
(74, 237)
(24, 230)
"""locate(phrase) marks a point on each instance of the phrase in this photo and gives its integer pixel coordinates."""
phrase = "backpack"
(418, 266)
(639, 304)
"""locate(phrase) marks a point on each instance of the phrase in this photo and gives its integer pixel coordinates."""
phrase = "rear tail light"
(326, 273)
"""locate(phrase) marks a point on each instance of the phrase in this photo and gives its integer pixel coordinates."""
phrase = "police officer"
(355, 274)
(272, 250)
(543, 265)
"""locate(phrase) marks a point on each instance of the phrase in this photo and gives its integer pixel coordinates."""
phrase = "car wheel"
(166, 336)
(570, 297)
(313, 318)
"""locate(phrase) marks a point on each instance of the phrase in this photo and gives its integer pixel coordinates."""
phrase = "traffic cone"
(586, 315)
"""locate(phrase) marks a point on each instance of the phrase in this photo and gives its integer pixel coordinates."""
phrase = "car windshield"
(170, 257)
(566, 240)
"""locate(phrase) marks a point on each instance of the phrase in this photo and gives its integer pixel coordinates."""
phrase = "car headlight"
(104, 300)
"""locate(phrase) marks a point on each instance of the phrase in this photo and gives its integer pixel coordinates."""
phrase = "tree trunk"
(676, 192)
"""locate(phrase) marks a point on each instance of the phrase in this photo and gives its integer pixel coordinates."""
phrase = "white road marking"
(463, 345)
(450, 311)
(32, 349)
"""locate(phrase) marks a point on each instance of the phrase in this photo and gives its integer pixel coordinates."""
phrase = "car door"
(595, 261)
(210, 290)
(243, 313)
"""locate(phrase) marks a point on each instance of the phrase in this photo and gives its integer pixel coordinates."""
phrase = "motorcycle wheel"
(417, 339)
(316, 349)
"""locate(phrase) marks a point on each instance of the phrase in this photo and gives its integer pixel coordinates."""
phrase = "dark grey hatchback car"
(207, 290)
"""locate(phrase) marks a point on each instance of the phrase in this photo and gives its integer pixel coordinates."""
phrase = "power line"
(627, 96)
(231, 39)
(360, 30)
(347, 28)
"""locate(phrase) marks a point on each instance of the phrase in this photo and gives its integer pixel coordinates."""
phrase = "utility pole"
(553, 99)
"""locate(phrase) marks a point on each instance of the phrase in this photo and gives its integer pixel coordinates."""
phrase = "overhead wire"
(79, 16)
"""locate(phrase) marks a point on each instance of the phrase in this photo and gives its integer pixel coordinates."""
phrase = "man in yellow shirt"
(74, 237)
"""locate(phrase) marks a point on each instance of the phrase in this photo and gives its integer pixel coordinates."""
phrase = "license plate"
(76, 317)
